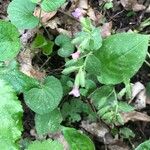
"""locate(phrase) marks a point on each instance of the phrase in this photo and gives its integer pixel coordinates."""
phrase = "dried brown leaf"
(106, 29)
(83, 4)
(45, 16)
(132, 5)
(135, 116)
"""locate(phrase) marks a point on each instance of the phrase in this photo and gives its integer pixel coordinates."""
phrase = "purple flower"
(75, 92)
(76, 55)
(78, 13)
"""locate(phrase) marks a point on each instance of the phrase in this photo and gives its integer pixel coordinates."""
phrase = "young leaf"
(48, 123)
(20, 12)
(45, 145)
(39, 42)
(52, 5)
(144, 146)
(72, 110)
(67, 48)
(121, 56)
(77, 140)
(10, 114)
(48, 48)
(9, 41)
(46, 97)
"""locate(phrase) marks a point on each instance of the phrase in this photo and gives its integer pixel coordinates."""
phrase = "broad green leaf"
(46, 97)
(20, 12)
(66, 47)
(77, 140)
(48, 123)
(52, 5)
(19, 81)
(120, 57)
(9, 41)
(7, 145)
(144, 146)
(10, 114)
(45, 145)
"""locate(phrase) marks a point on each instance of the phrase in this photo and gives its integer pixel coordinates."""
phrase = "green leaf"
(48, 123)
(93, 65)
(48, 48)
(126, 133)
(20, 12)
(121, 56)
(70, 70)
(39, 42)
(90, 38)
(144, 146)
(19, 81)
(9, 41)
(35, 1)
(125, 107)
(67, 48)
(52, 5)
(100, 96)
(10, 114)
(46, 97)
(72, 110)
(7, 145)
(77, 140)
(45, 145)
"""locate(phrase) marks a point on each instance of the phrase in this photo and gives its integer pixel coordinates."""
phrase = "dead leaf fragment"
(45, 16)
(83, 4)
(132, 5)
(106, 29)
(135, 116)
(91, 14)
(59, 136)
(140, 101)
(136, 89)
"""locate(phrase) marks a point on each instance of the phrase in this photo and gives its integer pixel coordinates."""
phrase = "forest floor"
(113, 16)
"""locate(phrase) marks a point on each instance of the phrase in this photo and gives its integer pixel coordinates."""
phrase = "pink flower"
(78, 13)
(75, 92)
(76, 55)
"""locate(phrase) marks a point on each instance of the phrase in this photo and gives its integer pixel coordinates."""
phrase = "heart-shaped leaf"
(67, 48)
(9, 41)
(20, 12)
(46, 97)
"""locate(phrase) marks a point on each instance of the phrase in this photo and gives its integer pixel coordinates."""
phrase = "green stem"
(147, 63)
